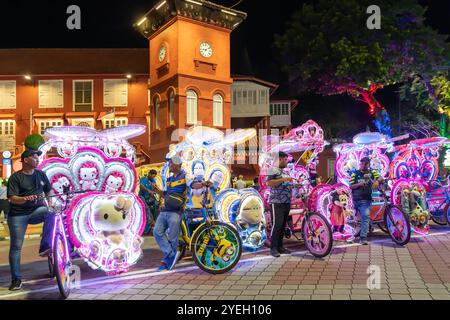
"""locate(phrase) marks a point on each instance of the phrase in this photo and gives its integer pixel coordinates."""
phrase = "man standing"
(167, 227)
(280, 202)
(24, 187)
(361, 182)
(147, 195)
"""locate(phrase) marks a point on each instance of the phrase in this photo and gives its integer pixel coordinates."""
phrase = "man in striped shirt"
(280, 203)
(361, 183)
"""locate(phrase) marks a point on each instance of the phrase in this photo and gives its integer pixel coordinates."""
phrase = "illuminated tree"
(328, 49)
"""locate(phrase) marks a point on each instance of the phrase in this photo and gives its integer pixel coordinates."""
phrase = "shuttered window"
(51, 94)
(7, 94)
(115, 93)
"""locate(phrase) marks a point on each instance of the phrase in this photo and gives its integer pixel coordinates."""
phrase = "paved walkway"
(418, 271)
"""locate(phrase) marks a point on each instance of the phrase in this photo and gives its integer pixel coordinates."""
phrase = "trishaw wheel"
(317, 235)
(216, 248)
(62, 265)
(398, 225)
(442, 218)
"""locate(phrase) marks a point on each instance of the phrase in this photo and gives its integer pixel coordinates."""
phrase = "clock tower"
(190, 80)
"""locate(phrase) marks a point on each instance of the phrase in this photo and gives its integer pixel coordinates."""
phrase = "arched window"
(217, 110)
(157, 105)
(171, 107)
(191, 107)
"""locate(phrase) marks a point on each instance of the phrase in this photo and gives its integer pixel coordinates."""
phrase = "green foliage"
(34, 141)
(328, 49)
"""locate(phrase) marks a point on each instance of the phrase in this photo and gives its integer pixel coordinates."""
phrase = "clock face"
(206, 50)
(162, 53)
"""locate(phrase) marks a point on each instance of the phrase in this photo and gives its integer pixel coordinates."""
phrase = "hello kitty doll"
(59, 182)
(114, 182)
(88, 176)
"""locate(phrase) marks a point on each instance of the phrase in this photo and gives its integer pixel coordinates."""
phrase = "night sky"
(108, 23)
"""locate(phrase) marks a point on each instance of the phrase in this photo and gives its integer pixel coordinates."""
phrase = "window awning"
(112, 115)
(81, 115)
(11, 116)
(51, 115)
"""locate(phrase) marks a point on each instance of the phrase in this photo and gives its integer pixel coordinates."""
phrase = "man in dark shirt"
(280, 202)
(361, 182)
(24, 189)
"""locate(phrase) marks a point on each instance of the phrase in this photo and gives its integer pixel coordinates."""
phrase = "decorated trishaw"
(417, 187)
(218, 221)
(389, 217)
(98, 217)
(313, 206)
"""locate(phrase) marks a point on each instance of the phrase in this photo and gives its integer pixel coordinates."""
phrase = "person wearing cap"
(361, 183)
(24, 190)
(280, 203)
(168, 224)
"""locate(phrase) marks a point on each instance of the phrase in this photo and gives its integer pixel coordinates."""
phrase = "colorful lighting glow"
(105, 182)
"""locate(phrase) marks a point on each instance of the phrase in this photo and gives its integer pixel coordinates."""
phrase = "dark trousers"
(17, 227)
(280, 214)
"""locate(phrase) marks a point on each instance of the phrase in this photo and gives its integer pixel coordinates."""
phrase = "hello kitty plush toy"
(88, 176)
(114, 182)
(59, 182)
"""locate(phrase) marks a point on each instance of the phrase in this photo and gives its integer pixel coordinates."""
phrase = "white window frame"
(171, 102)
(12, 93)
(54, 122)
(191, 103)
(157, 113)
(115, 93)
(217, 110)
(117, 122)
(11, 134)
(73, 93)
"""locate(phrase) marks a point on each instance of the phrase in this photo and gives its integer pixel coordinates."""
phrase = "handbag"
(174, 201)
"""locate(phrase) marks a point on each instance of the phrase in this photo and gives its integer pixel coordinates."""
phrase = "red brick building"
(40, 88)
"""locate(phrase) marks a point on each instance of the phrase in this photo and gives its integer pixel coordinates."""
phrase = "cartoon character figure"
(88, 176)
(413, 202)
(196, 195)
(111, 218)
(216, 179)
(312, 131)
(60, 183)
(114, 182)
(339, 211)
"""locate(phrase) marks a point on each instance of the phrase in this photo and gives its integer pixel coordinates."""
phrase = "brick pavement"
(417, 271)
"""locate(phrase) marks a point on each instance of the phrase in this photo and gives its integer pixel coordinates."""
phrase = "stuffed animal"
(339, 211)
(111, 218)
(114, 182)
(88, 176)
